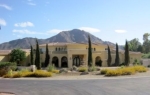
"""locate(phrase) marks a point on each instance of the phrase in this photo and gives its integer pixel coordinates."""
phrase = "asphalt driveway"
(123, 86)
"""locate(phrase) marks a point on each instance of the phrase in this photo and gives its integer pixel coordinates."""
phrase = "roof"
(6, 52)
(66, 43)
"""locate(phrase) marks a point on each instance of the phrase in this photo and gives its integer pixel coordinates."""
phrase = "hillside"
(74, 35)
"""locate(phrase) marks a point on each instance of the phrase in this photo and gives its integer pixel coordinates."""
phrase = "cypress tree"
(37, 57)
(89, 52)
(117, 56)
(126, 54)
(47, 56)
(109, 57)
(31, 55)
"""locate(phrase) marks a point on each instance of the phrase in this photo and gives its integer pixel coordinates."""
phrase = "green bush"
(82, 69)
(50, 68)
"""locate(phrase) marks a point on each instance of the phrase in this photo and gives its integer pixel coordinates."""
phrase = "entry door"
(76, 61)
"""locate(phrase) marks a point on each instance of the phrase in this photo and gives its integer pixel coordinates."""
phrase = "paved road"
(127, 86)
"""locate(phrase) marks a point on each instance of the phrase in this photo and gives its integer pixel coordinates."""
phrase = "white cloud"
(26, 32)
(2, 22)
(5, 6)
(54, 31)
(89, 29)
(32, 4)
(24, 24)
(120, 31)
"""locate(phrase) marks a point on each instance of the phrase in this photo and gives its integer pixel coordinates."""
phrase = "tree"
(47, 56)
(109, 57)
(134, 44)
(140, 48)
(126, 54)
(117, 56)
(31, 55)
(89, 52)
(146, 43)
(17, 55)
(37, 56)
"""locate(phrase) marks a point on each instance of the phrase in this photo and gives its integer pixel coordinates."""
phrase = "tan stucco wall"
(72, 50)
(4, 58)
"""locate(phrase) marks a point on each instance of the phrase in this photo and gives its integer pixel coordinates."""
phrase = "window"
(94, 49)
(56, 49)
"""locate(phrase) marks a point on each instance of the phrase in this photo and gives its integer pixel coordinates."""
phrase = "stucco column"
(70, 61)
(59, 64)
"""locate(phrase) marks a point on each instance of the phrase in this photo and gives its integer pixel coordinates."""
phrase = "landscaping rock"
(84, 73)
(74, 68)
(98, 69)
(63, 70)
(33, 68)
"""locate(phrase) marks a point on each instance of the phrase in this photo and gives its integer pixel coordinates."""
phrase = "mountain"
(74, 35)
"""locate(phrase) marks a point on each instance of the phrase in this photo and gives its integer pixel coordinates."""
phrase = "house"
(69, 54)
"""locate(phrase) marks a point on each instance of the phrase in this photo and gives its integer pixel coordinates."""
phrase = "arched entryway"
(64, 62)
(76, 61)
(98, 61)
(55, 61)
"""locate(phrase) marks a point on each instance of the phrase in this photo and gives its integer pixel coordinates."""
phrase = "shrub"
(82, 69)
(112, 73)
(55, 71)
(50, 67)
(9, 65)
(93, 68)
(140, 68)
(39, 73)
(125, 71)
(17, 75)
(104, 71)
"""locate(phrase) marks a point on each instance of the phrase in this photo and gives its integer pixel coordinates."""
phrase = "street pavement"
(108, 86)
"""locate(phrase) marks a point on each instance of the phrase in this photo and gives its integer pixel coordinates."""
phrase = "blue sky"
(110, 20)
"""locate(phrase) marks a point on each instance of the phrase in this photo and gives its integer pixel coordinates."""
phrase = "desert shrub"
(92, 68)
(104, 71)
(9, 65)
(55, 71)
(3, 71)
(138, 68)
(125, 71)
(17, 75)
(50, 68)
(39, 73)
(82, 69)
(8, 75)
(113, 73)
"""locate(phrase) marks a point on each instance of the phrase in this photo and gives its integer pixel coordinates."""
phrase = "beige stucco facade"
(77, 54)
(69, 54)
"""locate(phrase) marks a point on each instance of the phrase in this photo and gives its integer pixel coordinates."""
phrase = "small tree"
(109, 57)
(17, 55)
(117, 56)
(31, 55)
(37, 56)
(89, 52)
(126, 54)
(47, 56)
